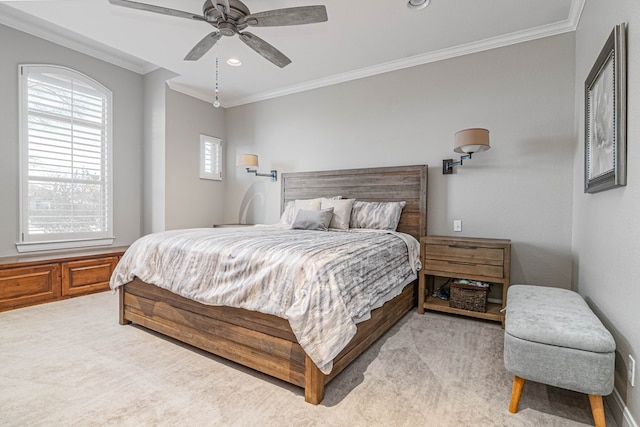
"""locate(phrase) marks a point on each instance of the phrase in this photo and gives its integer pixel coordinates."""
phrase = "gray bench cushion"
(555, 316)
(553, 337)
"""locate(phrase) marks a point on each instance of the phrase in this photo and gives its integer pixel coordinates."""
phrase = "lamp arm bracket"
(449, 164)
(273, 175)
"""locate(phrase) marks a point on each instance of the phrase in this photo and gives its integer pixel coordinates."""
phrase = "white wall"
(20, 48)
(520, 189)
(191, 201)
(606, 228)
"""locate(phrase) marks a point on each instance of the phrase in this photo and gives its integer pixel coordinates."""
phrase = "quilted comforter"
(322, 282)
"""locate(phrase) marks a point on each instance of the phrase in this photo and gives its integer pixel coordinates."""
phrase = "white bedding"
(322, 282)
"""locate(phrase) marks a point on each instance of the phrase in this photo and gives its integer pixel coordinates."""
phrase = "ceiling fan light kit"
(418, 4)
(231, 17)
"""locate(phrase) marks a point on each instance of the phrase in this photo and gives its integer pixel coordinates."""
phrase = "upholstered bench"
(552, 337)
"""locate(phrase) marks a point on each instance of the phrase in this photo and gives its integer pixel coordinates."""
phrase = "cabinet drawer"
(29, 285)
(87, 276)
(462, 269)
(465, 253)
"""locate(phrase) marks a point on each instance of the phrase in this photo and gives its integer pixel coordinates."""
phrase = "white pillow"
(341, 212)
(308, 204)
(287, 216)
(376, 215)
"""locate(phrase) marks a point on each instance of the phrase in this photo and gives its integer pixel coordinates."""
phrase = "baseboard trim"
(626, 415)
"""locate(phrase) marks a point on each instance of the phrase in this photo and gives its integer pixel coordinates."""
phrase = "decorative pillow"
(313, 220)
(341, 212)
(293, 206)
(376, 215)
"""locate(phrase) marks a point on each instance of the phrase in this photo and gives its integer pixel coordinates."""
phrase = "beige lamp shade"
(471, 141)
(247, 160)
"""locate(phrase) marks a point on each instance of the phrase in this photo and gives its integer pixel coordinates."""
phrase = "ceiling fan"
(231, 17)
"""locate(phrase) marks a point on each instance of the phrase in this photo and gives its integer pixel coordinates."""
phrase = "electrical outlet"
(457, 225)
(631, 371)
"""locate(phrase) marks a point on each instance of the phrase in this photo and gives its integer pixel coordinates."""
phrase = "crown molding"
(575, 12)
(568, 25)
(30, 24)
(191, 91)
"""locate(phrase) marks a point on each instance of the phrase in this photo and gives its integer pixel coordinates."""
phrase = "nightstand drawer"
(466, 254)
(462, 268)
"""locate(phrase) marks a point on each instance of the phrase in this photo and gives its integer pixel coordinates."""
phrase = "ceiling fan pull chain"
(216, 103)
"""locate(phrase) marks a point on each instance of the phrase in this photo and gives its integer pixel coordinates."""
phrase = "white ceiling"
(361, 38)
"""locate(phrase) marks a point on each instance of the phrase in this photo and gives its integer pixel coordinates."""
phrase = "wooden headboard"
(388, 184)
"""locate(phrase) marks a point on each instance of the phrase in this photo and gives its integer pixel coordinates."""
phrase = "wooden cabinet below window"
(89, 275)
(35, 279)
(20, 286)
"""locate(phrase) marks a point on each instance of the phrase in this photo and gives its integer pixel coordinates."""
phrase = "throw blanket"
(320, 281)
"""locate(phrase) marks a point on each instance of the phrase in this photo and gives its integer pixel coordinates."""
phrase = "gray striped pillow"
(376, 215)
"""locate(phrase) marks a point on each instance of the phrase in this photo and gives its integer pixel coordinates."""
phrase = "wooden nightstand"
(487, 260)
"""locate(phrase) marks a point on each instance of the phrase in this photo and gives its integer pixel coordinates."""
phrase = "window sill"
(71, 244)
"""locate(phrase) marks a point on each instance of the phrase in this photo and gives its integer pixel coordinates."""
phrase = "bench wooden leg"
(597, 409)
(516, 393)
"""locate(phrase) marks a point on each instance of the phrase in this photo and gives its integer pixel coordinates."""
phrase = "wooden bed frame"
(265, 342)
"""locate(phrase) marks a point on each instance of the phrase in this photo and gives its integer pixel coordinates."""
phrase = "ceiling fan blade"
(203, 46)
(156, 9)
(265, 49)
(289, 16)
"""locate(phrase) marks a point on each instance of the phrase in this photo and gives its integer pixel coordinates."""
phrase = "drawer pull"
(463, 247)
(461, 263)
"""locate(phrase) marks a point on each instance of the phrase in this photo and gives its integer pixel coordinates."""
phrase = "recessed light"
(234, 62)
(418, 4)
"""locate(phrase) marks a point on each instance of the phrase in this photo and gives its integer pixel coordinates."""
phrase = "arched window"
(66, 160)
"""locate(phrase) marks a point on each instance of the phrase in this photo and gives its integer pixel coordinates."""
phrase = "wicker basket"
(468, 297)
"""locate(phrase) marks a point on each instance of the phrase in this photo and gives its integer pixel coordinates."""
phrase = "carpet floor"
(70, 363)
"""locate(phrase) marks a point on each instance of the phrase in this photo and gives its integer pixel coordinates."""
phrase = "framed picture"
(605, 153)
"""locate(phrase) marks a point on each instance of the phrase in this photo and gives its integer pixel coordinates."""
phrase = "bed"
(266, 342)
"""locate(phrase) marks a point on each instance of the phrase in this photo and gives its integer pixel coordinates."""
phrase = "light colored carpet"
(70, 363)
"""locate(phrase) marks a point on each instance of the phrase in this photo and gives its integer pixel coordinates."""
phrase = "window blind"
(66, 181)
(210, 158)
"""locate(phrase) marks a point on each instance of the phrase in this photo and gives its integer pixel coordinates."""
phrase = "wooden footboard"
(259, 341)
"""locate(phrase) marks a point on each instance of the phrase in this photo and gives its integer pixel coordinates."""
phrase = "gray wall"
(20, 48)
(520, 189)
(153, 166)
(190, 201)
(606, 234)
